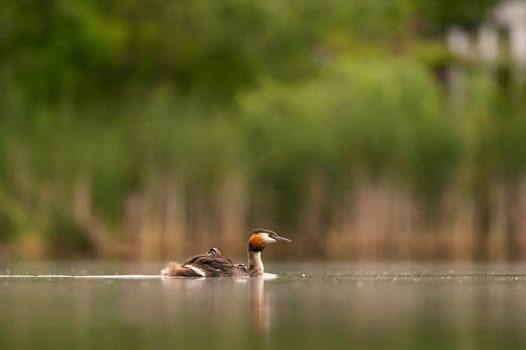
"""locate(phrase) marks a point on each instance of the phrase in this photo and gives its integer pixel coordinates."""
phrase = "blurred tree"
(436, 17)
(93, 49)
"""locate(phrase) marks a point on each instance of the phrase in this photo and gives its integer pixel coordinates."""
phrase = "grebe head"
(214, 253)
(259, 238)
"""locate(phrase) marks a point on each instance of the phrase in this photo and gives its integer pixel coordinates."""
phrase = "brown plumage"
(214, 264)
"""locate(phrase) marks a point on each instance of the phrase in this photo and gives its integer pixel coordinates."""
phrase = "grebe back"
(214, 264)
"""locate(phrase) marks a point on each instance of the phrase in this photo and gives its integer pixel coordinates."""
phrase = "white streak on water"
(88, 277)
(269, 276)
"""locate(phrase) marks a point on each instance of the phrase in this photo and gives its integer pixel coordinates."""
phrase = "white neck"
(255, 265)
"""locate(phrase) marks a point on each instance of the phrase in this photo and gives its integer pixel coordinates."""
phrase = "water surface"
(310, 306)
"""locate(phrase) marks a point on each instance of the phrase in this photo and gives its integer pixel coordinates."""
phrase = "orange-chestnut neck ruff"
(256, 242)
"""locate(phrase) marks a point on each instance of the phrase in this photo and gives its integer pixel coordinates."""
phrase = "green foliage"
(440, 15)
(116, 94)
(89, 49)
(378, 115)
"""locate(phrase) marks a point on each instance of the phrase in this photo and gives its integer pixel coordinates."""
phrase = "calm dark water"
(311, 306)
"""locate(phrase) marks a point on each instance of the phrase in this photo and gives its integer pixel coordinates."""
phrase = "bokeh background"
(368, 129)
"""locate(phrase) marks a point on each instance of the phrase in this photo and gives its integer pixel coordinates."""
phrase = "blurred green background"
(148, 129)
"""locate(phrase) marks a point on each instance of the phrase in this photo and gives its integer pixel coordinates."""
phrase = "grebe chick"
(214, 264)
(214, 253)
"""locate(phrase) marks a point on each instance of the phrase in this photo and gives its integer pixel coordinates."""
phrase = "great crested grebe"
(213, 264)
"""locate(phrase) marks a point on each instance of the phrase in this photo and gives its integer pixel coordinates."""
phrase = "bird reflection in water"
(219, 303)
(259, 308)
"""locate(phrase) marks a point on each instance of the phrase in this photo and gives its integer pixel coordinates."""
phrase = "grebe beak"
(281, 239)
